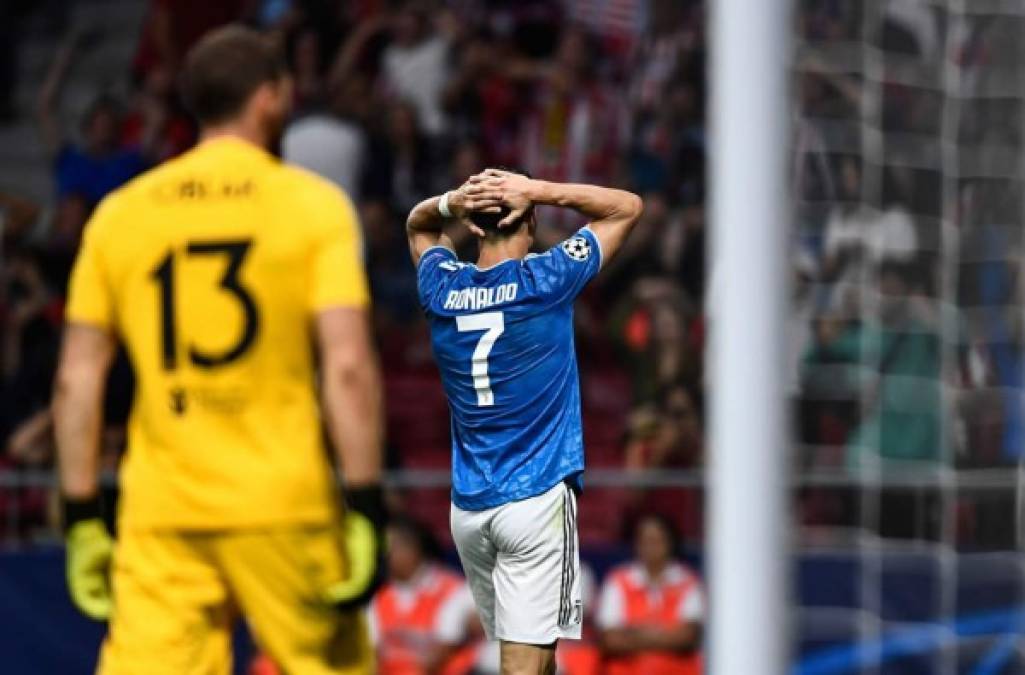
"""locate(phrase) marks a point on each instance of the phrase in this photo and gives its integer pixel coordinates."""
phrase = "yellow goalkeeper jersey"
(210, 270)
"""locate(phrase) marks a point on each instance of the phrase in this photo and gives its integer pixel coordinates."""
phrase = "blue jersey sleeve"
(562, 272)
(430, 271)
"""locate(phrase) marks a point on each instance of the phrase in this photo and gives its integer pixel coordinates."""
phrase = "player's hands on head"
(363, 540)
(504, 187)
(462, 203)
(90, 553)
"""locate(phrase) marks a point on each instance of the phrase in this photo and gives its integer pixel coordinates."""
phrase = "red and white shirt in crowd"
(630, 597)
(406, 618)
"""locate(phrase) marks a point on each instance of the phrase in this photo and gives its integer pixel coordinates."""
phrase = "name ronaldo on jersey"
(480, 297)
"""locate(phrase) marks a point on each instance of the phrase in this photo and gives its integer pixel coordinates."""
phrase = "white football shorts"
(523, 567)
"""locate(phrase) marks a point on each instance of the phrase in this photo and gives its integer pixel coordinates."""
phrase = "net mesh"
(908, 333)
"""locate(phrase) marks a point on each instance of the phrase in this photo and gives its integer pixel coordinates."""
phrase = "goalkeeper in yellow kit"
(229, 278)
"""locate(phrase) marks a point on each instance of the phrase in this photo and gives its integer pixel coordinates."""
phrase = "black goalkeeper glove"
(90, 551)
(363, 539)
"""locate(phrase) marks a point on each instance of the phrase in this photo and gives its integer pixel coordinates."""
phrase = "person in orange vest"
(423, 617)
(651, 610)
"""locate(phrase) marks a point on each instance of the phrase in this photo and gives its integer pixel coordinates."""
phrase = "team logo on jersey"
(577, 248)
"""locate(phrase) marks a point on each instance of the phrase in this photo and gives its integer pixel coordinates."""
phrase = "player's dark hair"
(489, 221)
(223, 70)
(419, 533)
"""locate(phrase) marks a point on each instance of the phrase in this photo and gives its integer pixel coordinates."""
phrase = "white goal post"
(747, 526)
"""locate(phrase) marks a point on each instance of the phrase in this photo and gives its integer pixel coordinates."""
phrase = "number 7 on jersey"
(493, 325)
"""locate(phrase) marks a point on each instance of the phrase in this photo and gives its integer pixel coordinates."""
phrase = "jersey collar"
(496, 265)
(235, 145)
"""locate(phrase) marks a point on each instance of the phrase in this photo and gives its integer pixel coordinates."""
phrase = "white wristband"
(443, 206)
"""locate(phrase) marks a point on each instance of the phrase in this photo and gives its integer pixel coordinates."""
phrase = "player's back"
(213, 266)
(503, 341)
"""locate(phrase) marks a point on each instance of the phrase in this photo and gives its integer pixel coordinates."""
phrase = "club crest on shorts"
(577, 248)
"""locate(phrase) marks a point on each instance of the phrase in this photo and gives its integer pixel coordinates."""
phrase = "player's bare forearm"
(424, 228)
(352, 393)
(426, 222)
(425, 217)
(86, 356)
(612, 212)
(353, 398)
(596, 202)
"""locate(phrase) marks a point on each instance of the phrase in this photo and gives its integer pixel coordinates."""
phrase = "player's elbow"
(633, 207)
(417, 217)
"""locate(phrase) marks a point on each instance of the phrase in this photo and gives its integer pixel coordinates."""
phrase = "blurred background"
(906, 327)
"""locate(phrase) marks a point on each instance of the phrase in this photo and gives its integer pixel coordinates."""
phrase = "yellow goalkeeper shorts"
(177, 594)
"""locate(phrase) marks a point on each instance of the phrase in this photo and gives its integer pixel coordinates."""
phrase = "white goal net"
(908, 334)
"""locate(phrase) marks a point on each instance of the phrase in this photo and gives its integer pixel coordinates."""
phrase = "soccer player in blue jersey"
(502, 332)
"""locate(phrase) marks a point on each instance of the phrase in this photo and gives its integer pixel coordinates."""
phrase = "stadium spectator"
(172, 26)
(308, 72)
(573, 131)
(19, 218)
(857, 238)
(414, 65)
(659, 334)
(392, 280)
(155, 119)
(668, 436)
(667, 134)
(30, 316)
(401, 160)
(651, 610)
(97, 165)
(330, 141)
(899, 421)
(844, 239)
(423, 618)
(483, 97)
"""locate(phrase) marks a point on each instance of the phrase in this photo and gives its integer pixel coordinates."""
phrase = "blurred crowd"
(906, 334)
(395, 102)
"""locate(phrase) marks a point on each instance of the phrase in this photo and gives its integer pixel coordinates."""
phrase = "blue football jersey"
(503, 341)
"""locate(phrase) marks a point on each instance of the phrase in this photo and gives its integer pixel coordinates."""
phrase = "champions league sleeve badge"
(577, 248)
